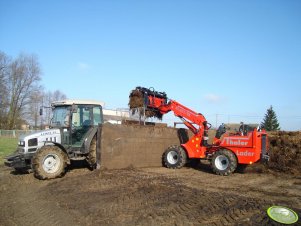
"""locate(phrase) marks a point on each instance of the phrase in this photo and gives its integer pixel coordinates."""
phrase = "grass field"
(7, 146)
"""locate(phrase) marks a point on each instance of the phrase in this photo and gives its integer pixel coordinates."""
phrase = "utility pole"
(41, 115)
(216, 119)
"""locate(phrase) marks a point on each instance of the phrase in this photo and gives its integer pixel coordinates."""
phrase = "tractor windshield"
(61, 116)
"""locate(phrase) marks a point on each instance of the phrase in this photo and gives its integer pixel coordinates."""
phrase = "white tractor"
(73, 135)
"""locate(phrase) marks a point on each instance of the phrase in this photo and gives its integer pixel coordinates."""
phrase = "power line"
(252, 116)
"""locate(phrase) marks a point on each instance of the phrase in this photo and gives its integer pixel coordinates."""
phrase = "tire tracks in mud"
(130, 197)
(276, 188)
(134, 197)
(21, 203)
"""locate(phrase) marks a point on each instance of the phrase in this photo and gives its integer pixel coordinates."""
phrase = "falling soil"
(136, 99)
(137, 105)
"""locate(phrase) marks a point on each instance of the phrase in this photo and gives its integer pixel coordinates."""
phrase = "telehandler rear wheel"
(224, 162)
(174, 157)
(49, 162)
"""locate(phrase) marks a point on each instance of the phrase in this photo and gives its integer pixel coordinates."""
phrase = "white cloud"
(213, 98)
(83, 66)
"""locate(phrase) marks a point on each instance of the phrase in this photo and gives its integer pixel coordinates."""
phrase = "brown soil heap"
(136, 104)
(285, 152)
(124, 146)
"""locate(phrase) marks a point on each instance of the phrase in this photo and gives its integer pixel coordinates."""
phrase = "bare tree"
(22, 81)
(21, 95)
(4, 73)
(49, 97)
(58, 95)
(32, 115)
(38, 100)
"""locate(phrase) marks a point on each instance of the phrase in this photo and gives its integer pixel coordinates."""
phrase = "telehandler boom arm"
(158, 101)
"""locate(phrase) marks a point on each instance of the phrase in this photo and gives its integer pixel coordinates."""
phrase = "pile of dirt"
(285, 152)
(137, 105)
(124, 146)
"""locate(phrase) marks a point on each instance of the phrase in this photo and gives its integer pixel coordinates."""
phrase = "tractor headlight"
(22, 143)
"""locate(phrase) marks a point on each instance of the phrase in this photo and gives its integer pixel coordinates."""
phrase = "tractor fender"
(89, 138)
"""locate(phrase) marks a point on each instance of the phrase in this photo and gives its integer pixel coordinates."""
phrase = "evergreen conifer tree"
(270, 122)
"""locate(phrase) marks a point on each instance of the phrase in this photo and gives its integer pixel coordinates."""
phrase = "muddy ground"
(146, 196)
(154, 195)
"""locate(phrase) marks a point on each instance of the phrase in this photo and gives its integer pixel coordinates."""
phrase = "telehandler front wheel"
(224, 162)
(49, 162)
(174, 157)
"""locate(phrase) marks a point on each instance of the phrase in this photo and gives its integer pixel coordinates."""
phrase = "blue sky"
(230, 60)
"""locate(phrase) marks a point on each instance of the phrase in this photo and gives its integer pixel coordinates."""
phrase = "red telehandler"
(225, 153)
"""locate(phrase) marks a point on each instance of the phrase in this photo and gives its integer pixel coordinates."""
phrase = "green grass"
(7, 146)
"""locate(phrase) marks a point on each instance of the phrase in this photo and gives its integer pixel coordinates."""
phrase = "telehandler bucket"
(141, 99)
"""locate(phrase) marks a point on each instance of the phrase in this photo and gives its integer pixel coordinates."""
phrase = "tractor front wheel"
(174, 157)
(224, 162)
(49, 162)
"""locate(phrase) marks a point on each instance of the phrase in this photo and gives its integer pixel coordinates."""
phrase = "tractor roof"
(83, 102)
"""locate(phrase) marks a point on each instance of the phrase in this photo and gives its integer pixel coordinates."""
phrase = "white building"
(115, 116)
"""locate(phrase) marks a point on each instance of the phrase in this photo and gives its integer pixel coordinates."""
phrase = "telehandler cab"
(72, 136)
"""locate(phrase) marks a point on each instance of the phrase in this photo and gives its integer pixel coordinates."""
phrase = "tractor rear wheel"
(49, 162)
(174, 157)
(224, 162)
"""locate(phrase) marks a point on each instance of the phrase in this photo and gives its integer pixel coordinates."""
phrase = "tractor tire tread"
(37, 167)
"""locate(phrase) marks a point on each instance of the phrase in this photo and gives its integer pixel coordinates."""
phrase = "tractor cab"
(76, 119)
(72, 135)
